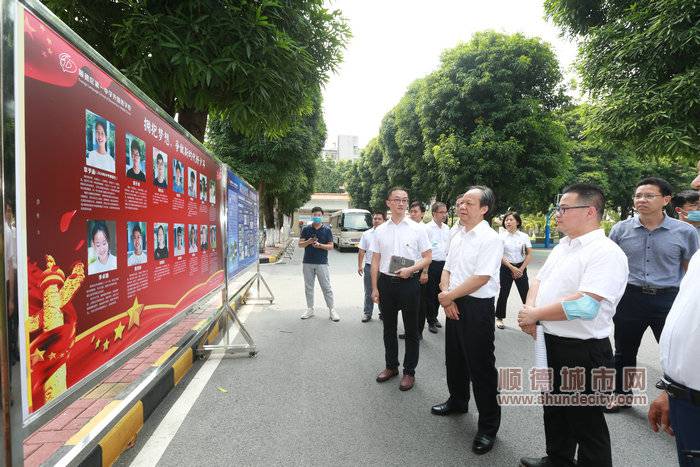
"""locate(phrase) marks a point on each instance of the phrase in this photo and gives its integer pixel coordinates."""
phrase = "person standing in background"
(416, 212)
(317, 240)
(687, 206)
(439, 237)
(658, 249)
(517, 253)
(364, 264)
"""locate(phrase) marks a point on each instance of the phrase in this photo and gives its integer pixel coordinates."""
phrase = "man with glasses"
(439, 237)
(400, 250)
(658, 249)
(574, 298)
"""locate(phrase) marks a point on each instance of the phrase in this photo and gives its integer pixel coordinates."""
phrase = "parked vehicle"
(347, 226)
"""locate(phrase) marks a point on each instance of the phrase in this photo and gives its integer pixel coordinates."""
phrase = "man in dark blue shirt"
(317, 239)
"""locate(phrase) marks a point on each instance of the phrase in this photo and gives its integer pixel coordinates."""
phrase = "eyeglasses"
(646, 196)
(562, 209)
(399, 200)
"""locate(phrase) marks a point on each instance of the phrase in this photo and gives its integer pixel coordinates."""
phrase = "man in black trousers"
(469, 284)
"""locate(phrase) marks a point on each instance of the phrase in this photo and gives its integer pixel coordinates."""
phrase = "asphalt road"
(310, 398)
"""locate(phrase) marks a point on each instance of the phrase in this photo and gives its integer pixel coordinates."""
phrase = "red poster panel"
(119, 210)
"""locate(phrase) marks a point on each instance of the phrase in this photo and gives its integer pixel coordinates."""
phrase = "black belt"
(678, 391)
(653, 290)
(397, 278)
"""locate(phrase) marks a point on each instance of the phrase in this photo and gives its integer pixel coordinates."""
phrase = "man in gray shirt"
(658, 250)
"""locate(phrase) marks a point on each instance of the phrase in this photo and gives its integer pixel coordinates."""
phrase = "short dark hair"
(589, 193)
(135, 145)
(393, 189)
(137, 228)
(516, 216)
(317, 209)
(379, 213)
(102, 124)
(159, 157)
(663, 185)
(684, 197)
(419, 205)
(437, 205)
(488, 199)
(99, 226)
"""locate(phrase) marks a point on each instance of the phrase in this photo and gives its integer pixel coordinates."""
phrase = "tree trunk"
(269, 212)
(261, 218)
(194, 121)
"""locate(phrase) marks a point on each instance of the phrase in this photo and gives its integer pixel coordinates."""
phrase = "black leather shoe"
(536, 462)
(483, 443)
(432, 328)
(366, 318)
(447, 408)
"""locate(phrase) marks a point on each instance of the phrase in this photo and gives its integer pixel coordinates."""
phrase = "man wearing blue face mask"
(687, 206)
(317, 240)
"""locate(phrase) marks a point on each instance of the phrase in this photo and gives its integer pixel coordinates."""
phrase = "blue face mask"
(693, 216)
(585, 308)
(316, 220)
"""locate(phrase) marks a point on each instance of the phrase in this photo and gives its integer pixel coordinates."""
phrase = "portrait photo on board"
(160, 240)
(160, 168)
(178, 176)
(192, 238)
(99, 142)
(135, 158)
(191, 182)
(136, 243)
(179, 236)
(102, 246)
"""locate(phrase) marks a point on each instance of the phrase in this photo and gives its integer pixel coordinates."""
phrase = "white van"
(347, 226)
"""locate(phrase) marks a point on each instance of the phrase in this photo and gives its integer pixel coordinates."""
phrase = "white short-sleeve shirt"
(513, 244)
(439, 239)
(406, 239)
(680, 340)
(366, 243)
(589, 263)
(477, 252)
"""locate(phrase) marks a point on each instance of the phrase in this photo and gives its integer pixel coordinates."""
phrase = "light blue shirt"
(655, 257)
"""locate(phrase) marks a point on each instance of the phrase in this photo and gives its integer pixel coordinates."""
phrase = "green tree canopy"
(283, 168)
(640, 61)
(254, 63)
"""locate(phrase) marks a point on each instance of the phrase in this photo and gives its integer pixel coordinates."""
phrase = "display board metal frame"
(15, 427)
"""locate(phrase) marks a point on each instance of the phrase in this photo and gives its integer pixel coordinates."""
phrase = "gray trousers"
(324, 280)
(367, 278)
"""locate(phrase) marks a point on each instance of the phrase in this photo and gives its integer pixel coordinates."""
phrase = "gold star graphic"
(52, 355)
(97, 344)
(118, 331)
(134, 314)
(38, 356)
(105, 346)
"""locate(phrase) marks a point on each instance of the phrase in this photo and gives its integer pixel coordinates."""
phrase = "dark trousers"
(507, 280)
(685, 420)
(399, 294)
(469, 357)
(432, 305)
(422, 307)
(635, 313)
(568, 426)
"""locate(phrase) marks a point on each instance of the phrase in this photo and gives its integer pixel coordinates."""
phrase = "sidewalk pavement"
(75, 423)
(273, 253)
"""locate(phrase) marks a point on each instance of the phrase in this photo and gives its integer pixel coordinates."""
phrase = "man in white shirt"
(574, 298)
(439, 237)
(400, 249)
(469, 285)
(458, 224)
(677, 409)
(416, 213)
(364, 264)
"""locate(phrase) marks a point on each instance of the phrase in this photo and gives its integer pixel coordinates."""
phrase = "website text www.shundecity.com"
(575, 387)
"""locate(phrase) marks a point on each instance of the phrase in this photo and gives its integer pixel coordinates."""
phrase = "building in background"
(348, 147)
(330, 154)
(329, 202)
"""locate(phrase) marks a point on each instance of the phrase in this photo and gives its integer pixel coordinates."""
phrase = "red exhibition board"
(118, 216)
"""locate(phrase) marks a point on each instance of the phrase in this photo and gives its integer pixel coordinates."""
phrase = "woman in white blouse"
(517, 253)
